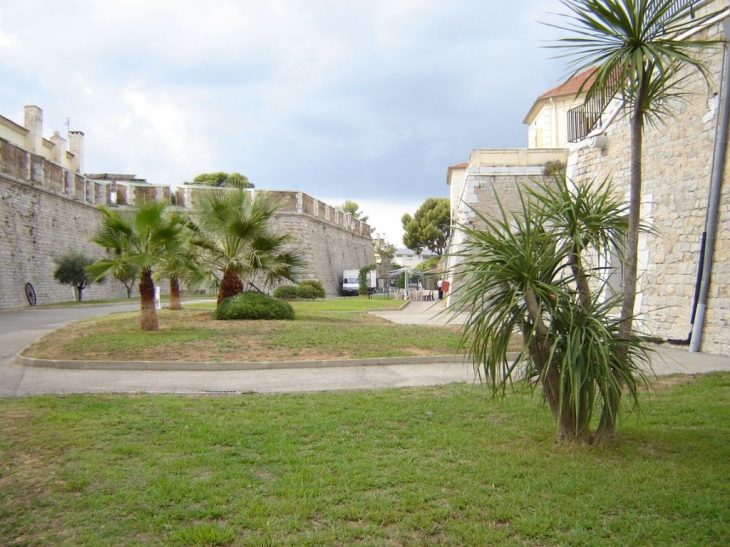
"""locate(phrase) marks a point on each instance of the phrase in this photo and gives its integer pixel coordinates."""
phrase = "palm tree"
(527, 272)
(138, 237)
(182, 264)
(237, 240)
(638, 49)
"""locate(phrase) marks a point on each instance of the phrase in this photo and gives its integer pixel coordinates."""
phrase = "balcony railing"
(585, 118)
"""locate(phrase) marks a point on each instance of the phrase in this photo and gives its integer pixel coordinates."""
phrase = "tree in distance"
(352, 208)
(126, 275)
(429, 227)
(431, 263)
(385, 250)
(71, 270)
(223, 180)
(635, 48)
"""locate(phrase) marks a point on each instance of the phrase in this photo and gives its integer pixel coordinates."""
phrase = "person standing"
(439, 285)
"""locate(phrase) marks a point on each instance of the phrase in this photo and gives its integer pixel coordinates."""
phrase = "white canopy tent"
(408, 271)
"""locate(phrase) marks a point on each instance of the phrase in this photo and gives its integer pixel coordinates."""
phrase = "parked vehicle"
(351, 282)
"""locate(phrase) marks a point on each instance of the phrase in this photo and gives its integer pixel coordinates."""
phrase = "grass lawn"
(428, 466)
(324, 329)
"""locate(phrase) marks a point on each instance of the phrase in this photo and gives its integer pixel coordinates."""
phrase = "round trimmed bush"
(286, 292)
(253, 305)
(311, 288)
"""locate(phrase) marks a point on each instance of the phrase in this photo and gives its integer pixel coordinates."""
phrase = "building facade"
(679, 161)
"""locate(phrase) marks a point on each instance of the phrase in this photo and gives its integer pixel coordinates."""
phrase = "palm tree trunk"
(539, 353)
(175, 293)
(148, 315)
(231, 285)
(576, 265)
(607, 424)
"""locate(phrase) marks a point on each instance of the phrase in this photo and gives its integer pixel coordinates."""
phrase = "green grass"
(428, 466)
(349, 304)
(124, 300)
(323, 329)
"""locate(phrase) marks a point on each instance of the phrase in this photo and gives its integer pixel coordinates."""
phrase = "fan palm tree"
(138, 237)
(182, 265)
(234, 231)
(637, 46)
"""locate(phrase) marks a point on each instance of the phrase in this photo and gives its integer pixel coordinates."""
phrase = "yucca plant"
(641, 49)
(524, 273)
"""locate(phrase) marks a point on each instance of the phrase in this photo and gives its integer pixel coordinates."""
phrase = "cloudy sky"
(369, 100)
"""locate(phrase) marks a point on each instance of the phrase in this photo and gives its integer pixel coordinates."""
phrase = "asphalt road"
(20, 328)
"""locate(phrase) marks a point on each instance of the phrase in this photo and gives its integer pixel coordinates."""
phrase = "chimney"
(34, 124)
(76, 147)
(59, 148)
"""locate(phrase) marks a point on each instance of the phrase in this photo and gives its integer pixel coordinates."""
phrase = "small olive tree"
(71, 270)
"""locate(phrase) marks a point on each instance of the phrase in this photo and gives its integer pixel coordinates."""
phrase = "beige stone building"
(680, 157)
(678, 163)
(488, 175)
(547, 120)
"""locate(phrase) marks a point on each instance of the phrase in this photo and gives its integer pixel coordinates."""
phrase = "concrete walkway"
(18, 380)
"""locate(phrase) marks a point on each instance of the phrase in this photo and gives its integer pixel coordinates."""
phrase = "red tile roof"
(572, 85)
(452, 168)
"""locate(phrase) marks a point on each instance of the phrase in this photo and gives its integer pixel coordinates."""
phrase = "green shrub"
(311, 288)
(286, 292)
(253, 305)
(308, 292)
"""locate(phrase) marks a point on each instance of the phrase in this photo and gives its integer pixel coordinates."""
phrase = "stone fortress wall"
(47, 207)
(677, 167)
(331, 240)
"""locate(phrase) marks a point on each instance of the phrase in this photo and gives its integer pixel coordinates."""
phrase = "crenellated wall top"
(291, 202)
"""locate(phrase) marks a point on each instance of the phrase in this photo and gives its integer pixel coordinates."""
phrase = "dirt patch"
(661, 383)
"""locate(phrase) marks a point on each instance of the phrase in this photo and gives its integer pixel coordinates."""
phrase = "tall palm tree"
(138, 237)
(234, 231)
(637, 47)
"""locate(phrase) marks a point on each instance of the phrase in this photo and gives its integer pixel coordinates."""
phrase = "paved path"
(20, 328)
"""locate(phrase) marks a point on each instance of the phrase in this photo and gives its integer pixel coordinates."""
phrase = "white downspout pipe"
(718, 168)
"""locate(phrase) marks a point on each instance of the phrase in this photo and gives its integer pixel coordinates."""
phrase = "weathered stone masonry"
(331, 240)
(45, 211)
(677, 164)
(47, 208)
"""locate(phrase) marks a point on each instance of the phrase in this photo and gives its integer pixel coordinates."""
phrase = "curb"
(233, 366)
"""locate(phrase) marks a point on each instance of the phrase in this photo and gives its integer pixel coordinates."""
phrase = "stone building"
(490, 178)
(48, 207)
(678, 163)
(678, 166)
